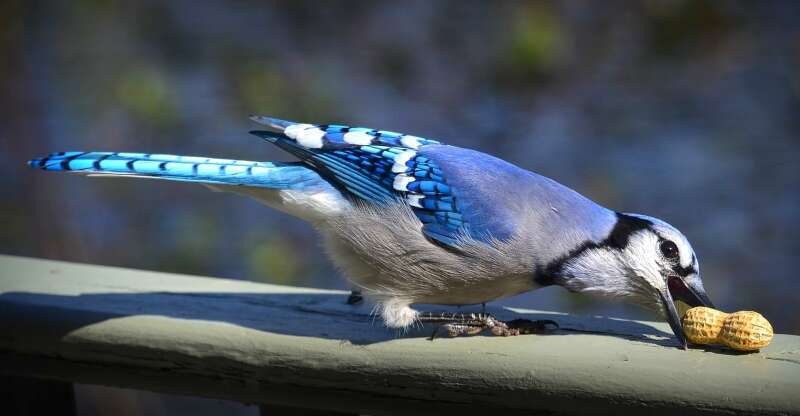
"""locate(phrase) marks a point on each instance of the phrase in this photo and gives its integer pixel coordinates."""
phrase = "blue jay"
(410, 220)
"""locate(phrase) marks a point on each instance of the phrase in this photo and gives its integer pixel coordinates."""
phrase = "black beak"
(677, 289)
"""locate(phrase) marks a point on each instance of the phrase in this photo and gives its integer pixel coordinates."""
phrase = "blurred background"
(684, 110)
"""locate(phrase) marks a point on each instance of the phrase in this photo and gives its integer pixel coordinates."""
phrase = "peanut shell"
(746, 331)
(702, 325)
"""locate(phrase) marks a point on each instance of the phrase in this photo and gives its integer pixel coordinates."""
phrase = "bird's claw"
(476, 323)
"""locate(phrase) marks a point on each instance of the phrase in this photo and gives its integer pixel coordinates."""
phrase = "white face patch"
(306, 135)
(359, 138)
(401, 182)
(401, 159)
(412, 142)
(664, 231)
(686, 252)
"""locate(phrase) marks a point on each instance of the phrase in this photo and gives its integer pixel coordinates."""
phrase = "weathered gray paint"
(263, 343)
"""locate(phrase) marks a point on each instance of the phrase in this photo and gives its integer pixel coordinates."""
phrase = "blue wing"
(376, 166)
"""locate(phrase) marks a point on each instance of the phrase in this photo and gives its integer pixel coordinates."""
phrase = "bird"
(410, 220)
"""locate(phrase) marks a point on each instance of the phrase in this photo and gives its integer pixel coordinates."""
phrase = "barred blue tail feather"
(290, 187)
(180, 168)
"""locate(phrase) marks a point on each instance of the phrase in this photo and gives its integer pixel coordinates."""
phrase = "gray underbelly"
(477, 292)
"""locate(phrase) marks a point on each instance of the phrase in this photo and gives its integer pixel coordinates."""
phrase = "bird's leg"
(474, 323)
(355, 297)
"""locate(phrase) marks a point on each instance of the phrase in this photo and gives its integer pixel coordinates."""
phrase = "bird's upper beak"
(677, 289)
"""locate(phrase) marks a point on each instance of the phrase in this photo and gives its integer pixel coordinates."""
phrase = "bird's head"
(646, 261)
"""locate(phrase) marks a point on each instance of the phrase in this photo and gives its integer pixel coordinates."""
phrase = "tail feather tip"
(272, 122)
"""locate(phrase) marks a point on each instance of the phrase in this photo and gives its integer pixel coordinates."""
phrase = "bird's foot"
(457, 324)
(355, 297)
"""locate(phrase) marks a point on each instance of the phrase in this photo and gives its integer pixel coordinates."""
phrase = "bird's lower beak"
(672, 317)
(677, 289)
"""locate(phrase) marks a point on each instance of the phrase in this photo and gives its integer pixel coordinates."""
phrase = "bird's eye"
(669, 250)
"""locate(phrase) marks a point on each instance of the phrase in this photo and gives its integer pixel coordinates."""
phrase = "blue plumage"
(333, 135)
(453, 191)
(434, 201)
(181, 168)
(445, 186)
(386, 167)
(376, 166)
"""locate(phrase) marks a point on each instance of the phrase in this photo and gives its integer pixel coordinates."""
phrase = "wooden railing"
(294, 350)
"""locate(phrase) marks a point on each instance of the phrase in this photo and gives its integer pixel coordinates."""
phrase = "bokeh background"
(685, 110)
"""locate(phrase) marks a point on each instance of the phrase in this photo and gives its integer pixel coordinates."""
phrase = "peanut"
(702, 325)
(743, 330)
(746, 331)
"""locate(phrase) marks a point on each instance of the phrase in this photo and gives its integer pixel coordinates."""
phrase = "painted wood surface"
(260, 343)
